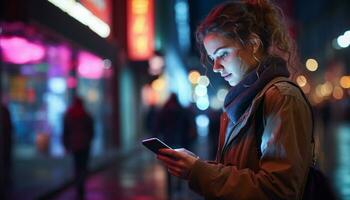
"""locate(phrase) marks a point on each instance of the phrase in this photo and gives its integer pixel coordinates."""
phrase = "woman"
(265, 148)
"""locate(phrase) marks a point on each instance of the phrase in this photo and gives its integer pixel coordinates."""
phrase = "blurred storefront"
(47, 56)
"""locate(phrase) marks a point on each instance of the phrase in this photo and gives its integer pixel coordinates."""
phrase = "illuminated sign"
(29, 52)
(140, 29)
(90, 66)
(100, 8)
(83, 15)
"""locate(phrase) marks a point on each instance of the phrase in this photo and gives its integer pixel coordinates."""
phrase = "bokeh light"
(221, 94)
(193, 76)
(159, 84)
(345, 82)
(344, 40)
(301, 80)
(203, 80)
(202, 103)
(311, 64)
(200, 90)
(202, 120)
(338, 93)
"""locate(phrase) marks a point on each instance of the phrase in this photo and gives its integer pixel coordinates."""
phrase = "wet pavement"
(140, 177)
(137, 175)
(131, 175)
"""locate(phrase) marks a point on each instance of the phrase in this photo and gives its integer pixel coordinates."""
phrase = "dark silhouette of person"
(6, 151)
(214, 128)
(150, 120)
(191, 134)
(174, 128)
(78, 131)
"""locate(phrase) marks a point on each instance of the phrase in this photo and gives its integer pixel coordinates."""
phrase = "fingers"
(168, 160)
(178, 163)
(187, 152)
(171, 153)
(172, 165)
(174, 172)
(178, 172)
(175, 167)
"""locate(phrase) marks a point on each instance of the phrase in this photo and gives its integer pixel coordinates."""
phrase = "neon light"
(215, 103)
(201, 90)
(90, 66)
(100, 8)
(57, 85)
(140, 29)
(193, 76)
(221, 94)
(83, 15)
(202, 122)
(156, 65)
(71, 82)
(202, 103)
(203, 80)
(29, 52)
(182, 23)
(59, 60)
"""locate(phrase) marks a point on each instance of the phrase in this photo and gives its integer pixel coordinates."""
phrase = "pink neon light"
(89, 66)
(19, 50)
(71, 82)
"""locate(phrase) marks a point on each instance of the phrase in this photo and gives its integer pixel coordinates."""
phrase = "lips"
(226, 76)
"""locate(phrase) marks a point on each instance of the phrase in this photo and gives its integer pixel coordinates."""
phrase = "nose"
(217, 67)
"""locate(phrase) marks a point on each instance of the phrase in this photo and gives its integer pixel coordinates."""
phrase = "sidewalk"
(136, 177)
(130, 175)
(42, 177)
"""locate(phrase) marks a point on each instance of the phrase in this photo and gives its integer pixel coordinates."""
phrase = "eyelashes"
(221, 57)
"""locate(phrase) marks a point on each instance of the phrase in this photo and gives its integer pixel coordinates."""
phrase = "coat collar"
(248, 114)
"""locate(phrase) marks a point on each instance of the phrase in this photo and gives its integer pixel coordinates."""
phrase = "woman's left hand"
(178, 162)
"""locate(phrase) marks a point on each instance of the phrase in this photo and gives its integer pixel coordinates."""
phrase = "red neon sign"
(140, 29)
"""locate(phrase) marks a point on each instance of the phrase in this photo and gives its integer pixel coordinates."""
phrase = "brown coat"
(281, 171)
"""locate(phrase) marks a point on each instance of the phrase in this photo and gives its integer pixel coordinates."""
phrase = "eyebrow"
(222, 47)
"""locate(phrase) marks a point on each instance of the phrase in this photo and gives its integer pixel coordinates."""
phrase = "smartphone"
(154, 144)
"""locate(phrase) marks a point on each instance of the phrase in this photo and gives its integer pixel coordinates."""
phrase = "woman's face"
(229, 58)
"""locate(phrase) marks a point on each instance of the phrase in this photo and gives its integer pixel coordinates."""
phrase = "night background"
(124, 58)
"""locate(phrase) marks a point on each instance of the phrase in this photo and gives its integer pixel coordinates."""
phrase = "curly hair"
(238, 20)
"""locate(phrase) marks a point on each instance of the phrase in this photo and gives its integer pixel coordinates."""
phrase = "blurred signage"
(140, 29)
(100, 8)
(90, 66)
(87, 16)
(30, 52)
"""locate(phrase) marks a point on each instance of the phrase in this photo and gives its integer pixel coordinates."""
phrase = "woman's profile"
(265, 148)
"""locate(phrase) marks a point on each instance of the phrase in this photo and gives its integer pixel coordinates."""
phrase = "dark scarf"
(241, 96)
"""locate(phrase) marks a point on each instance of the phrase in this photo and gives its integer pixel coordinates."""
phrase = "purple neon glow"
(89, 66)
(59, 59)
(18, 50)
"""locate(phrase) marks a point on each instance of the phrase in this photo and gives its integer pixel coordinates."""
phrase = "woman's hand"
(179, 162)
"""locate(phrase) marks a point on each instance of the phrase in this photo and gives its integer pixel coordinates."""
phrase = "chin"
(233, 82)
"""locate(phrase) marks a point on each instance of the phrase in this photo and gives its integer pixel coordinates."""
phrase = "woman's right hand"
(179, 162)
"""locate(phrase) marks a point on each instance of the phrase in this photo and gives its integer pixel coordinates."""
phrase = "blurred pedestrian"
(214, 128)
(150, 120)
(265, 139)
(174, 124)
(78, 131)
(175, 129)
(191, 135)
(6, 151)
